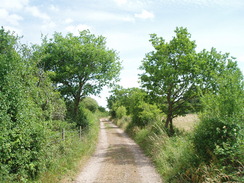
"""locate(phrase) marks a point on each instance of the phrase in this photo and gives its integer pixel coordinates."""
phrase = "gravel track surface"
(118, 159)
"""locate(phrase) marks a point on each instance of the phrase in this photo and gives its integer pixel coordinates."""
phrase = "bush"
(145, 114)
(21, 118)
(212, 133)
(102, 109)
(90, 104)
(82, 117)
(120, 112)
(218, 137)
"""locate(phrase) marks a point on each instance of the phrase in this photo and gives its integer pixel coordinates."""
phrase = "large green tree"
(174, 73)
(79, 65)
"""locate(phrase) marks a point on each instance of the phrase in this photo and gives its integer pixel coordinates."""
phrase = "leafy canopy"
(81, 65)
(174, 73)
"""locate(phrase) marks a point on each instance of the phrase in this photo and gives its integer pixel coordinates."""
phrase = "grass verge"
(70, 155)
(175, 157)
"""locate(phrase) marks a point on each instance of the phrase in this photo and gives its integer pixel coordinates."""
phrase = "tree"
(79, 65)
(170, 73)
(127, 97)
(133, 102)
(90, 104)
(175, 73)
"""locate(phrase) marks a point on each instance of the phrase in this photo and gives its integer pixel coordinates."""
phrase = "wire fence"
(64, 135)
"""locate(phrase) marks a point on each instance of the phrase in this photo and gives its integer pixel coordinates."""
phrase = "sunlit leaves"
(79, 65)
(175, 74)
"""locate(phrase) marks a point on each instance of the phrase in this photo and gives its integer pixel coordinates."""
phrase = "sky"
(127, 25)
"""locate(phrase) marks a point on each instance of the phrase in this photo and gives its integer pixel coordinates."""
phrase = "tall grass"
(175, 158)
(67, 156)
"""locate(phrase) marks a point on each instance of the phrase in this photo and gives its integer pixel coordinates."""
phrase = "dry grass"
(187, 122)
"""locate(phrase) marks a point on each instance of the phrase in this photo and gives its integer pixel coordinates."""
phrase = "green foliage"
(120, 112)
(219, 135)
(90, 104)
(82, 117)
(228, 99)
(129, 98)
(86, 107)
(145, 114)
(62, 158)
(211, 133)
(79, 65)
(102, 109)
(132, 101)
(31, 114)
(170, 73)
(21, 123)
(175, 73)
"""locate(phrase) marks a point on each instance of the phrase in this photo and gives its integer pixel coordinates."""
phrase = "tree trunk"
(169, 110)
(77, 99)
(76, 106)
(171, 130)
(169, 115)
(167, 121)
(169, 124)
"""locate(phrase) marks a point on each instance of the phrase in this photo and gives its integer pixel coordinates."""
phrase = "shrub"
(145, 114)
(212, 133)
(21, 119)
(218, 137)
(120, 112)
(102, 109)
(82, 117)
(90, 104)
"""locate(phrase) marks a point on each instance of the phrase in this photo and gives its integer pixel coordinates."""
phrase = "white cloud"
(121, 2)
(37, 13)
(129, 82)
(14, 29)
(3, 13)
(68, 20)
(13, 4)
(133, 5)
(54, 8)
(107, 16)
(75, 29)
(48, 25)
(204, 3)
(145, 15)
(12, 19)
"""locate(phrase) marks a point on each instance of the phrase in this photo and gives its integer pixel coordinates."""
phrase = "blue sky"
(127, 24)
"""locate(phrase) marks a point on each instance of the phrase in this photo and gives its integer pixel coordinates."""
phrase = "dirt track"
(117, 159)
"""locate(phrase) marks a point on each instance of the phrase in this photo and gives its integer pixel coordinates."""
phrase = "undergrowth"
(175, 158)
(66, 157)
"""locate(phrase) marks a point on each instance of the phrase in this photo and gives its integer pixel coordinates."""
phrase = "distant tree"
(79, 65)
(174, 73)
(102, 109)
(145, 113)
(127, 97)
(90, 104)
(120, 112)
